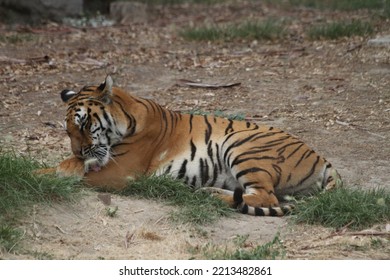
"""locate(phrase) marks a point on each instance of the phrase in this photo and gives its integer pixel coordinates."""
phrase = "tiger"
(117, 137)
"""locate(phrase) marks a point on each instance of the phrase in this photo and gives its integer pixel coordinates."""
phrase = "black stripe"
(193, 182)
(269, 134)
(313, 168)
(204, 171)
(239, 143)
(107, 118)
(278, 171)
(283, 148)
(193, 150)
(218, 157)
(168, 170)
(210, 151)
(139, 101)
(183, 170)
(244, 209)
(304, 156)
(208, 130)
(296, 149)
(272, 212)
(238, 161)
(259, 212)
(288, 178)
(132, 122)
(215, 176)
(229, 128)
(172, 121)
(251, 170)
(96, 116)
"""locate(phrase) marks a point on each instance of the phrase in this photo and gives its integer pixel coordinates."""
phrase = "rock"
(37, 11)
(381, 41)
(129, 12)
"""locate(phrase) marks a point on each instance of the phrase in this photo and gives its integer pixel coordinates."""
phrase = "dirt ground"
(335, 95)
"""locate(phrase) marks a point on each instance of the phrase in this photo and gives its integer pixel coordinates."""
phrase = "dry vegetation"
(335, 94)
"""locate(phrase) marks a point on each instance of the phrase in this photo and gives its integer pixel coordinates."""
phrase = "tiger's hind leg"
(222, 194)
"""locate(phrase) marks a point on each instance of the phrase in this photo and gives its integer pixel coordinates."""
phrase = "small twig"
(376, 233)
(342, 123)
(138, 211)
(129, 238)
(60, 229)
(159, 220)
(184, 82)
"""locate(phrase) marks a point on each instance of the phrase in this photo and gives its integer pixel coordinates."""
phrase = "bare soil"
(335, 95)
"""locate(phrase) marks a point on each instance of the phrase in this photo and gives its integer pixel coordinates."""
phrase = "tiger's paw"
(71, 167)
(44, 171)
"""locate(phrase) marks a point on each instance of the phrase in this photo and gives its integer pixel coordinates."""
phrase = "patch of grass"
(221, 114)
(9, 237)
(337, 30)
(346, 5)
(253, 30)
(41, 255)
(269, 251)
(17, 38)
(194, 207)
(356, 208)
(176, 2)
(20, 188)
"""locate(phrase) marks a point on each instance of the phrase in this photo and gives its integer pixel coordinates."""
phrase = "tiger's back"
(250, 167)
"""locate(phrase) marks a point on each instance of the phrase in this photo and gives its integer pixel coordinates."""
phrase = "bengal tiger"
(116, 137)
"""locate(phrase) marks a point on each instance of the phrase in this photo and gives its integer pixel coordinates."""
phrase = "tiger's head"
(96, 121)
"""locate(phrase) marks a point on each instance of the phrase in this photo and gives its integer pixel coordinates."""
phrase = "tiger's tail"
(244, 208)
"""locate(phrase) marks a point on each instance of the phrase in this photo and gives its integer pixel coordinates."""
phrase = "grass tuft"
(195, 207)
(20, 188)
(220, 114)
(9, 237)
(344, 5)
(253, 30)
(337, 30)
(269, 251)
(178, 2)
(356, 208)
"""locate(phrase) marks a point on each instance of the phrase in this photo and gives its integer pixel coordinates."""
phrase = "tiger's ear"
(67, 94)
(106, 90)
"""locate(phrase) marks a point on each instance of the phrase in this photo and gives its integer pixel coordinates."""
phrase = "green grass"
(337, 30)
(221, 114)
(193, 207)
(9, 237)
(17, 38)
(176, 2)
(20, 189)
(356, 208)
(253, 30)
(269, 251)
(346, 5)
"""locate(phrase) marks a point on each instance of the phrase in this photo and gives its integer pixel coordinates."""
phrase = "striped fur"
(116, 137)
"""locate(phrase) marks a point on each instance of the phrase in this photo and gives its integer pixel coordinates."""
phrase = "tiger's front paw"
(71, 167)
